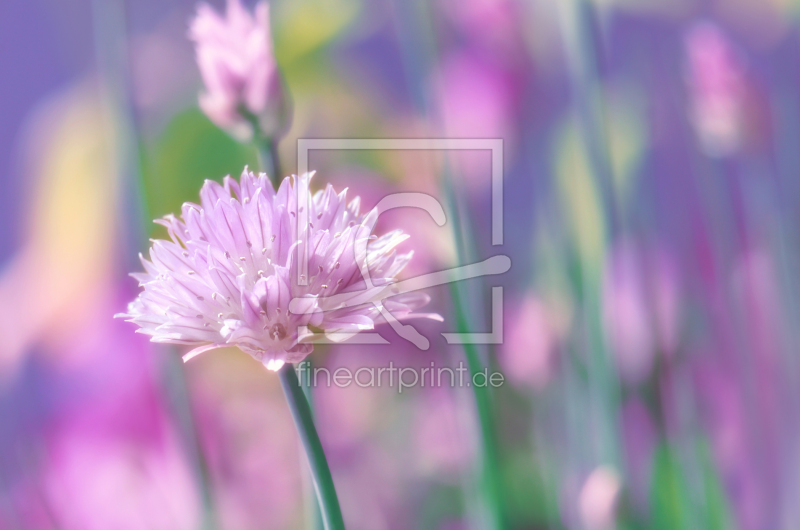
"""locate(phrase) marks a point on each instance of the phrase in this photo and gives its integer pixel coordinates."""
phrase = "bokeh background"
(652, 177)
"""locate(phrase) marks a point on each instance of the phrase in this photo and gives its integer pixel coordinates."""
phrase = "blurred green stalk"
(419, 53)
(320, 472)
(490, 481)
(110, 32)
(582, 47)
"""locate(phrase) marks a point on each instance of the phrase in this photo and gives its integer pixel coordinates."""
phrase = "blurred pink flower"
(347, 414)
(252, 455)
(99, 483)
(598, 499)
(717, 89)
(239, 70)
(528, 352)
(442, 433)
(113, 462)
(229, 273)
(640, 308)
(478, 101)
(739, 450)
(492, 25)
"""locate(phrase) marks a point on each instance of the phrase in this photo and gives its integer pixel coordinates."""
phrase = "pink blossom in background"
(717, 88)
(231, 268)
(107, 456)
(442, 432)
(640, 308)
(237, 63)
(253, 456)
(737, 449)
(528, 354)
(492, 25)
(478, 100)
(598, 499)
(372, 481)
(348, 415)
(96, 483)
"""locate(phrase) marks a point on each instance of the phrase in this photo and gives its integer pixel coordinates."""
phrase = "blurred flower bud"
(717, 89)
(244, 88)
(640, 308)
(478, 100)
(598, 498)
(528, 354)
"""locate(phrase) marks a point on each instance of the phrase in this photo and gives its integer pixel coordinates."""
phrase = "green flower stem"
(320, 472)
(267, 148)
(297, 396)
(313, 506)
(268, 158)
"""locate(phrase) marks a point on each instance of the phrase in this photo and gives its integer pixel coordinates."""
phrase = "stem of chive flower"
(297, 397)
(266, 147)
(268, 159)
(320, 472)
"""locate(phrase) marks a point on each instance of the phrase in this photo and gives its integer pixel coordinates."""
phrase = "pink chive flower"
(231, 268)
(241, 76)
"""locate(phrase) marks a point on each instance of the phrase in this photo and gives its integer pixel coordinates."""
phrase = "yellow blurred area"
(62, 270)
(303, 27)
(580, 199)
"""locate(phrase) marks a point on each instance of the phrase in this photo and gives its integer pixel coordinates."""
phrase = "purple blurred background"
(650, 317)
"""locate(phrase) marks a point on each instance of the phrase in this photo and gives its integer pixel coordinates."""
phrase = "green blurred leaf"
(190, 150)
(669, 492)
(675, 504)
(717, 512)
(528, 503)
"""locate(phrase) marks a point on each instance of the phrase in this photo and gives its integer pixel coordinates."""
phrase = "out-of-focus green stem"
(178, 397)
(418, 47)
(320, 472)
(490, 481)
(109, 25)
